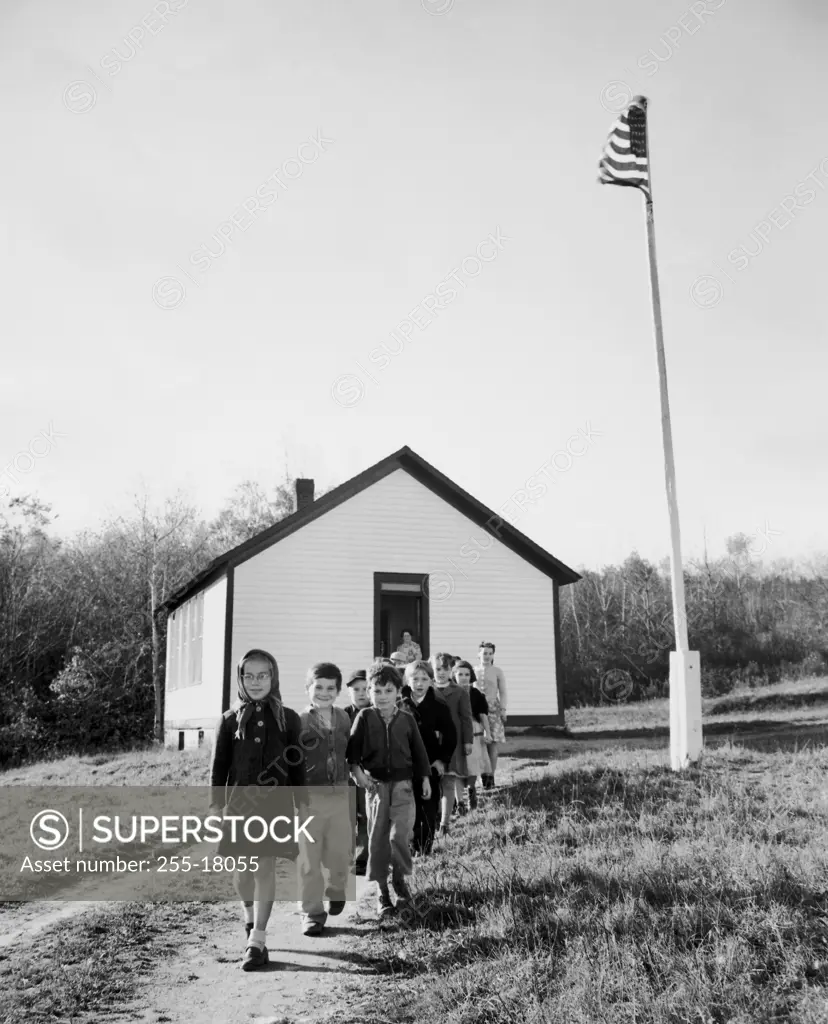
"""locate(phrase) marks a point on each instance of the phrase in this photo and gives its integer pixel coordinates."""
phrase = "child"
(458, 702)
(492, 683)
(249, 750)
(385, 753)
(325, 734)
(358, 689)
(358, 692)
(398, 660)
(478, 762)
(433, 718)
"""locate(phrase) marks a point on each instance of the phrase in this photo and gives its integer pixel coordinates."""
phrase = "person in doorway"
(409, 649)
(492, 681)
(251, 740)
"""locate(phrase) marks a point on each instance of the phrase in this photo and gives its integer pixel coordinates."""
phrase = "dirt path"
(206, 985)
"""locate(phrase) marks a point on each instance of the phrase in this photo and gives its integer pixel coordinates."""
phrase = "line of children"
(408, 753)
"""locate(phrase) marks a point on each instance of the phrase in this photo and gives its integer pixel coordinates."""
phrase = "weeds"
(621, 893)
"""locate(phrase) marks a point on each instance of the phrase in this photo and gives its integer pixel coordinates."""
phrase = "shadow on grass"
(781, 738)
(751, 702)
(551, 914)
(769, 725)
(760, 734)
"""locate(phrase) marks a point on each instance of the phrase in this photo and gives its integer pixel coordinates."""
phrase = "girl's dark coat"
(245, 771)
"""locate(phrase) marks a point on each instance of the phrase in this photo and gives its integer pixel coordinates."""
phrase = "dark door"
(400, 602)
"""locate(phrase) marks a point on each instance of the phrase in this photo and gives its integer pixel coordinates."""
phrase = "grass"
(90, 963)
(615, 890)
(156, 766)
(787, 700)
(609, 889)
(162, 769)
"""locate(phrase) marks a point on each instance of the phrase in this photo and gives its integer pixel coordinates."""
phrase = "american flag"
(625, 155)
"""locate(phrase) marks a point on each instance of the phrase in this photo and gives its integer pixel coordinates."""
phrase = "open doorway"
(400, 602)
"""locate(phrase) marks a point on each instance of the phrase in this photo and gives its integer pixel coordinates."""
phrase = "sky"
(151, 341)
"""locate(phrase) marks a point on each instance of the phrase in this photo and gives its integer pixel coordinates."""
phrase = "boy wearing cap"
(358, 690)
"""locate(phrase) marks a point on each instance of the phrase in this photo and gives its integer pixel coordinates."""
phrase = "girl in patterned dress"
(492, 682)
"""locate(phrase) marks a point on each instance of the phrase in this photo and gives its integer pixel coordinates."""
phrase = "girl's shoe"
(254, 957)
(488, 781)
(336, 907)
(472, 798)
(443, 831)
(462, 808)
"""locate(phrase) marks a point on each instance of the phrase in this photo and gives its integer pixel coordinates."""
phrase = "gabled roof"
(422, 471)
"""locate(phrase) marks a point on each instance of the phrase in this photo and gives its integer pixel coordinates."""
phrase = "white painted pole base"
(685, 708)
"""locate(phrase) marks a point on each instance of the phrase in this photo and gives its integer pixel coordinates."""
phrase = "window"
(185, 641)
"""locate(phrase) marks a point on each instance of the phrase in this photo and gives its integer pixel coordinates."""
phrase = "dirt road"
(205, 985)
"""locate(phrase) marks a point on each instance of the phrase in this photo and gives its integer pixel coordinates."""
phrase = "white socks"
(257, 938)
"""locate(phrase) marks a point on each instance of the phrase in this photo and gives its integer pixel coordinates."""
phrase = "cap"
(356, 676)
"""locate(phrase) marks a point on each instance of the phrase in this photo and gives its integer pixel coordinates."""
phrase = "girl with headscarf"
(257, 744)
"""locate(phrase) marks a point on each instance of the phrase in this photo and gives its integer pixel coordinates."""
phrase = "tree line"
(83, 637)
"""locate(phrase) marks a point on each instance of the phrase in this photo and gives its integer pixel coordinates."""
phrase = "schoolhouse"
(398, 547)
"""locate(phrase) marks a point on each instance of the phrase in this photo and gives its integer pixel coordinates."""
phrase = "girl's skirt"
(496, 726)
(258, 834)
(457, 766)
(478, 760)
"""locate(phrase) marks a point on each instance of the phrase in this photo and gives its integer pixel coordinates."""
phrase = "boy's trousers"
(428, 811)
(361, 829)
(391, 815)
(333, 832)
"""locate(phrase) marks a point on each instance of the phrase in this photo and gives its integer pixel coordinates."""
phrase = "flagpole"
(679, 614)
(685, 669)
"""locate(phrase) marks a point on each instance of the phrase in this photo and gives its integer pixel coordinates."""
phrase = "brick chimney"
(304, 494)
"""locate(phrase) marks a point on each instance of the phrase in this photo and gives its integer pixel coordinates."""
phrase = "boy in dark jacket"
(436, 725)
(385, 753)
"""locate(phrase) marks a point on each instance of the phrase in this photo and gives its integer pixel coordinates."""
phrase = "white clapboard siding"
(310, 597)
(200, 705)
